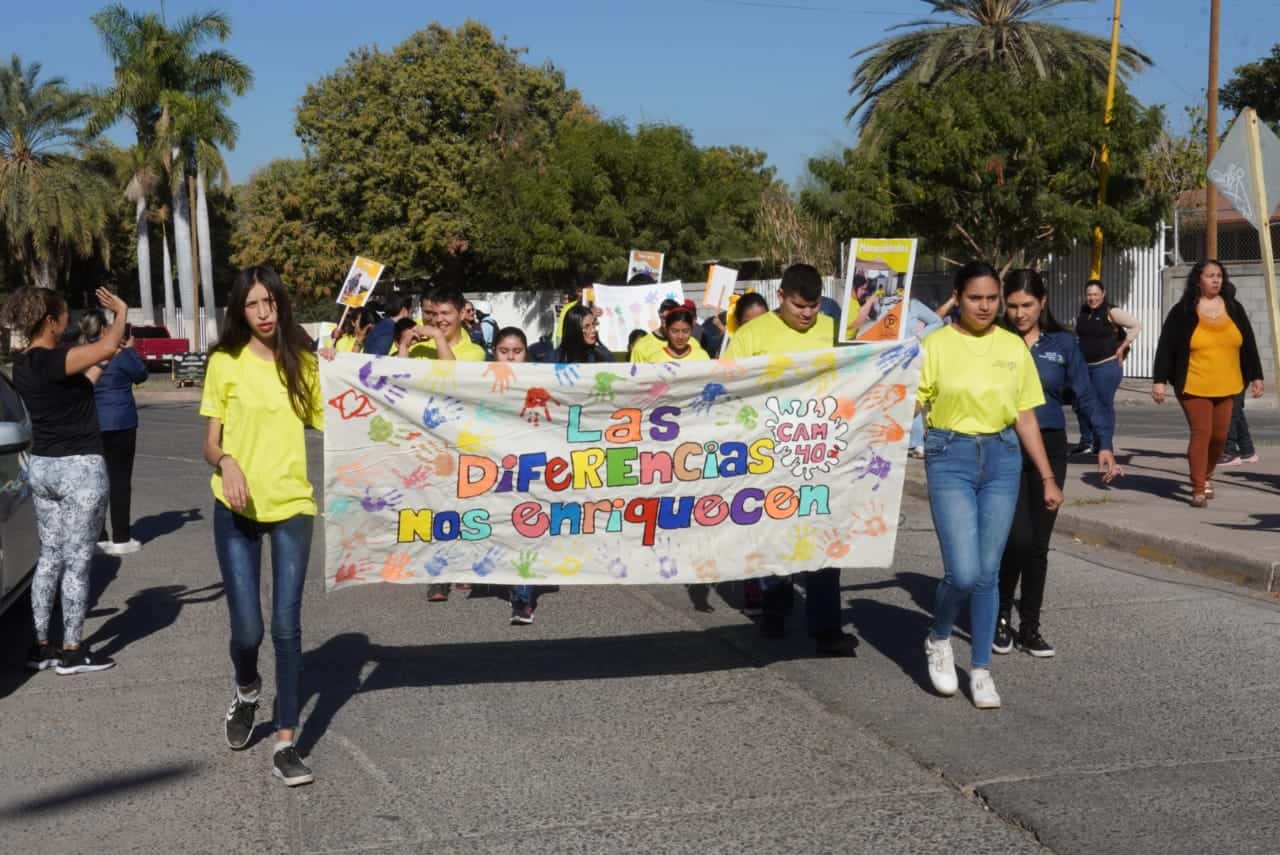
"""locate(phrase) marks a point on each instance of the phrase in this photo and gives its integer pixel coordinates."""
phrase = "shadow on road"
(113, 785)
(147, 529)
(1261, 522)
(332, 673)
(147, 612)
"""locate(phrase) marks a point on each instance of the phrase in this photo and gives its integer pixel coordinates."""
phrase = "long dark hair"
(1029, 281)
(1191, 294)
(573, 346)
(291, 344)
(971, 271)
(746, 301)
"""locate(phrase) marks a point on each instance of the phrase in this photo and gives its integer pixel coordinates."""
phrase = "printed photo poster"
(648, 263)
(720, 283)
(606, 474)
(361, 279)
(877, 289)
(624, 308)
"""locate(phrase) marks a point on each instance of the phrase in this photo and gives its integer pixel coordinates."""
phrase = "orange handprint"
(394, 570)
(834, 543)
(350, 573)
(870, 522)
(884, 396)
(727, 369)
(708, 570)
(503, 375)
(885, 433)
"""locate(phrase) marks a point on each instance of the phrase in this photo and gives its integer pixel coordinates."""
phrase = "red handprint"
(536, 399)
(350, 573)
(353, 405)
(417, 479)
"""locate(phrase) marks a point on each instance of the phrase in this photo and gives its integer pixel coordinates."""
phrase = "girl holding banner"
(676, 342)
(980, 387)
(580, 342)
(261, 391)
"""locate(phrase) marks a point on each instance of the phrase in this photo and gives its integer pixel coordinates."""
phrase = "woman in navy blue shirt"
(1061, 367)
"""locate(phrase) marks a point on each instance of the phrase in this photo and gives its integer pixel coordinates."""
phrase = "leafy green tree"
(990, 166)
(396, 140)
(52, 203)
(1176, 162)
(979, 34)
(1256, 85)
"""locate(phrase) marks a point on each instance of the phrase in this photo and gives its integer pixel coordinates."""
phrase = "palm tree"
(51, 202)
(1000, 33)
(157, 70)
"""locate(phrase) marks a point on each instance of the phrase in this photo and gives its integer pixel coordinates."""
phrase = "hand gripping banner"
(515, 473)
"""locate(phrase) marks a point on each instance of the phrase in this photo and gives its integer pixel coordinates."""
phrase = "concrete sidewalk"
(1147, 512)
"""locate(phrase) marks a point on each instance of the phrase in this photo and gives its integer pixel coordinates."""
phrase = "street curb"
(1234, 567)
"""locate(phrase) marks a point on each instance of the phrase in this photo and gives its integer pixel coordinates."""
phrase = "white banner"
(631, 307)
(441, 471)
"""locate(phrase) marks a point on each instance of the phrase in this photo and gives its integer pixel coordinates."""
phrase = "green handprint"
(524, 563)
(380, 429)
(603, 390)
(748, 417)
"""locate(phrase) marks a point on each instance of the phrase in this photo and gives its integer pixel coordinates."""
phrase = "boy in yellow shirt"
(441, 337)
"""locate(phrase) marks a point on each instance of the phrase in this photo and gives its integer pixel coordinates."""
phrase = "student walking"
(65, 468)
(1060, 367)
(979, 387)
(676, 343)
(1208, 352)
(261, 392)
(1105, 334)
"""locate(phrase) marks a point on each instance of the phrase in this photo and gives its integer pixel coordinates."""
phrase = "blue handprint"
(899, 356)
(391, 391)
(566, 373)
(436, 413)
(711, 395)
(341, 504)
(486, 564)
(438, 563)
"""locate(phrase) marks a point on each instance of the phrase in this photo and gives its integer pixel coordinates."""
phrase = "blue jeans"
(238, 541)
(973, 490)
(1105, 378)
(524, 594)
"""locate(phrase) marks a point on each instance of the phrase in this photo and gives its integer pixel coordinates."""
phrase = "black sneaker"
(82, 661)
(773, 626)
(42, 656)
(288, 767)
(1081, 448)
(836, 643)
(240, 716)
(1003, 642)
(1033, 642)
(521, 614)
(752, 598)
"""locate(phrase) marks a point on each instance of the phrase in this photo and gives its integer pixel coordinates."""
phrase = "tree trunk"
(170, 305)
(205, 244)
(182, 247)
(144, 262)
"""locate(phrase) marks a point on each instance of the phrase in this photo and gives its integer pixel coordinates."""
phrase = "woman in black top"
(580, 342)
(66, 470)
(1105, 334)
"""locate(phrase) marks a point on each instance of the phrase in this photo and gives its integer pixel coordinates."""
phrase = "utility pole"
(1104, 172)
(1211, 148)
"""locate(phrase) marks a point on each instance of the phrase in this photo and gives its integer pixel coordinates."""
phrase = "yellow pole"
(1211, 147)
(1095, 268)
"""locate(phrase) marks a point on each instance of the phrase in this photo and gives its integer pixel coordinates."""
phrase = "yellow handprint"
(825, 380)
(802, 543)
(472, 442)
(569, 565)
(442, 377)
(775, 370)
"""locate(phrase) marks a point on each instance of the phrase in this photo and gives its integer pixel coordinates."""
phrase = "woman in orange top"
(1208, 352)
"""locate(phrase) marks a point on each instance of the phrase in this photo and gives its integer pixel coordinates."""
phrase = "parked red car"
(156, 346)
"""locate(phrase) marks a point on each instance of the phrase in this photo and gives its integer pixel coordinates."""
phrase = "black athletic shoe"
(1004, 636)
(836, 643)
(521, 614)
(1081, 448)
(240, 717)
(42, 656)
(288, 767)
(1033, 642)
(82, 661)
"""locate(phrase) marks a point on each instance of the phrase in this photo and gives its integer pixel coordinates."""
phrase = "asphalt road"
(1148, 421)
(626, 721)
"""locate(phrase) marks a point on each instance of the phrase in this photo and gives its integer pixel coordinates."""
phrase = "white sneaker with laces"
(942, 665)
(983, 687)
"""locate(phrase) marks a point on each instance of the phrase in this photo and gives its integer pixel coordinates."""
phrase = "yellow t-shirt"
(346, 344)
(653, 349)
(464, 349)
(768, 334)
(1214, 368)
(559, 331)
(262, 432)
(977, 385)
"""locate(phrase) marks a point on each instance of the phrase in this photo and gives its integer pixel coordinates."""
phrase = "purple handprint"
(385, 500)
(391, 391)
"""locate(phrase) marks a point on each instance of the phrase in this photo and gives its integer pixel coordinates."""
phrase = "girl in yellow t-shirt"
(261, 391)
(980, 388)
(676, 343)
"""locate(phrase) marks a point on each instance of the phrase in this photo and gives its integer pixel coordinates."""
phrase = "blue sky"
(770, 74)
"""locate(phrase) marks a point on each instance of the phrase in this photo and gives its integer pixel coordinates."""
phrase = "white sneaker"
(942, 665)
(983, 687)
(104, 546)
(129, 547)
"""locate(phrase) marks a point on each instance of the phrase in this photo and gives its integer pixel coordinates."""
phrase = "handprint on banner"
(885, 433)
(872, 465)
(870, 521)
(396, 568)
(846, 408)
(487, 563)
(834, 543)
(603, 389)
(884, 396)
(748, 417)
(610, 555)
(339, 505)
(537, 399)
(486, 412)
(525, 562)
(356, 542)
(665, 549)
(707, 570)
(381, 500)
(567, 374)
(351, 572)
(656, 392)
(418, 479)
(383, 383)
(727, 370)
(712, 394)
(435, 455)
(503, 376)
(472, 441)
(359, 473)
(437, 413)
(775, 370)
(825, 378)
(443, 376)
(569, 564)
(898, 356)
(753, 565)
(438, 561)
(669, 368)
(384, 430)
(802, 543)
(352, 405)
